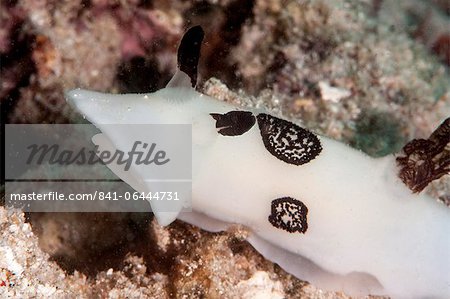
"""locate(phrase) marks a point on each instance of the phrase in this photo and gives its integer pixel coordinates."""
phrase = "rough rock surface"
(180, 261)
(342, 67)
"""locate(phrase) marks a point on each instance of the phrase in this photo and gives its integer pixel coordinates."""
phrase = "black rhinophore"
(189, 52)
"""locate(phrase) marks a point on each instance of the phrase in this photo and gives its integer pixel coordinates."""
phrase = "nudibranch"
(323, 211)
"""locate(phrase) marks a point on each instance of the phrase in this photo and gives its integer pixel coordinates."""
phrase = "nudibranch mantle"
(332, 215)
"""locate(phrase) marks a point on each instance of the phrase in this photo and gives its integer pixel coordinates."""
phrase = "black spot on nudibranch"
(288, 141)
(189, 52)
(289, 214)
(234, 123)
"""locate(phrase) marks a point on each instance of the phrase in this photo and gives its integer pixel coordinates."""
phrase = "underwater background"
(371, 73)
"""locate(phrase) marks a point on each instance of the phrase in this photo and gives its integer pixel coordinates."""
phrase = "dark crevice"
(141, 74)
(223, 27)
(237, 13)
(91, 252)
(16, 66)
(147, 4)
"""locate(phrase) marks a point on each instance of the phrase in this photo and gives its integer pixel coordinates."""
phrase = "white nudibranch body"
(323, 211)
(366, 232)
